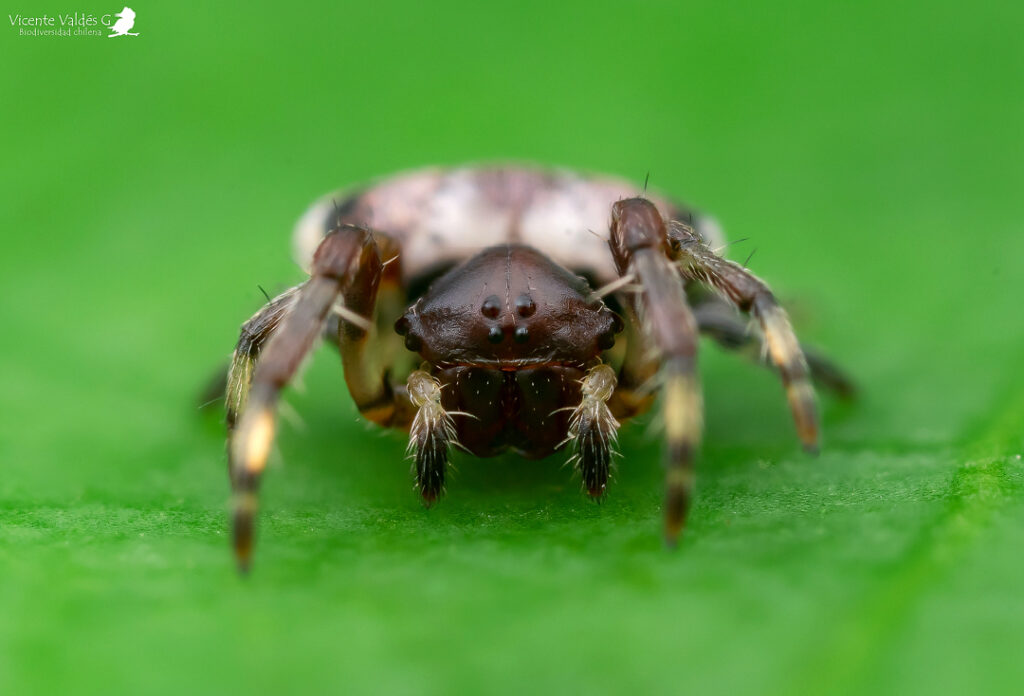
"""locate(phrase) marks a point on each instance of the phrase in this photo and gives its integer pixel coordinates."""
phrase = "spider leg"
(750, 294)
(718, 321)
(634, 394)
(639, 245)
(347, 264)
(252, 339)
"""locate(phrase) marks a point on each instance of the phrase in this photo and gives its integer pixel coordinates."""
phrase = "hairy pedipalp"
(593, 430)
(431, 435)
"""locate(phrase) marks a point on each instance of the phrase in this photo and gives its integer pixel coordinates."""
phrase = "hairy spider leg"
(253, 337)
(639, 245)
(718, 321)
(751, 295)
(346, 264)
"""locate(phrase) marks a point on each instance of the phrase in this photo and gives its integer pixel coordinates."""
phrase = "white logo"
(122, 27)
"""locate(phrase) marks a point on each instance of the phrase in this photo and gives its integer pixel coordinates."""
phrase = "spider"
(510, 308)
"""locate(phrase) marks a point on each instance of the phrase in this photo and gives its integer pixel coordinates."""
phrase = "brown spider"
(486, 307)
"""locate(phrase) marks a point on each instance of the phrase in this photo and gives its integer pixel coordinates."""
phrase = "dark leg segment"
(718, 321)
(750, 294)
(345, 257)
(639, 245)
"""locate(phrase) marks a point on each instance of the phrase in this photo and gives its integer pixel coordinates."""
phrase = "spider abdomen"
(441, 217)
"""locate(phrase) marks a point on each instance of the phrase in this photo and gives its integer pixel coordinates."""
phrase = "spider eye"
(525, 306)
(521, 335)
(495, 335)
(491, 307)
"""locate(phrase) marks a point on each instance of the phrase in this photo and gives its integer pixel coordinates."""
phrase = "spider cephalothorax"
(508, 307)
(509, 335)
(469, 307)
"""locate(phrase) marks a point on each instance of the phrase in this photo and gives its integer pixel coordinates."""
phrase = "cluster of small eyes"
(491, 308)
(525, 308)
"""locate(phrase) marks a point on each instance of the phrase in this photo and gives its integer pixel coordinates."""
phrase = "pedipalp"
(593, 430)
(431, 436)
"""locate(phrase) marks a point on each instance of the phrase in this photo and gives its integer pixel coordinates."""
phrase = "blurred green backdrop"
(872, 153)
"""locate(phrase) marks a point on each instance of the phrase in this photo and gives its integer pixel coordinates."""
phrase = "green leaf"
(871, 153)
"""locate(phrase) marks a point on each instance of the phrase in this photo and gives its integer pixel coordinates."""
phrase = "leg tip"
(243, 556)
(242, 533)
(677, 506)
(431, 495)
(674, 523)
(810, 437)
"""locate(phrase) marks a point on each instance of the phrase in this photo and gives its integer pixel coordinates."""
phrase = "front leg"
(750, 294)
(346, 264)
(639, 244)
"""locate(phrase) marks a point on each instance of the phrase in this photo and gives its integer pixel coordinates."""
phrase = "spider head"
(508, 307)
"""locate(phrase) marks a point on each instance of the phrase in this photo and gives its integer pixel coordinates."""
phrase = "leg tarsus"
(785, 353)
(244, 520)
(682, 409)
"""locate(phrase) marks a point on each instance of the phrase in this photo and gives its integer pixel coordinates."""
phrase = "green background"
(872, 153)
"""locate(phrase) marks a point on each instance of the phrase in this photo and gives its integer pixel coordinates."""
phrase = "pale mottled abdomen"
(440, 217)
